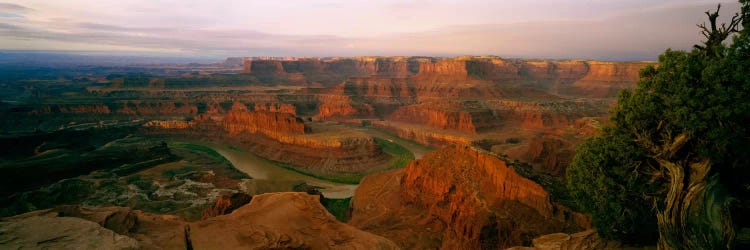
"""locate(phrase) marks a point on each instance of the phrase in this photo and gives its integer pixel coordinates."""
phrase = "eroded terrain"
(491, 138)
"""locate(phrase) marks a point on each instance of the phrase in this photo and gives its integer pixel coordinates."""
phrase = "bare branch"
(717, 34)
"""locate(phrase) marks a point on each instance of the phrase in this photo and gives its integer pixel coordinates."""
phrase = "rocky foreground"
(458, 197)
(269, 221)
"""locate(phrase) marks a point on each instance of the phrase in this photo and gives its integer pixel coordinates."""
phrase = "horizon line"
(276, 57)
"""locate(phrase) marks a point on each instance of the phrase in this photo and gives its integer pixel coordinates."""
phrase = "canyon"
(364, 152)
(458, 197)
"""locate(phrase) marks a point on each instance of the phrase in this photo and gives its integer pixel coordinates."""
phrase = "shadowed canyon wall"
(458, 197)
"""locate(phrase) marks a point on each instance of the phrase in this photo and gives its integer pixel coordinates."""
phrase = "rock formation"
(339, 106)
(169, 124)
(446, 115)
(268, 123)
(458, 197)
(60, 233)
(552, 154)
(531, 110)
(273, 133)
(282, 220)
(327, 154)
(586, 240)
(275, 107)
(226, 204)
(566, 74)
(376, 87)
(269, 221)
(328, 72)
(74, 227)
(422, 134)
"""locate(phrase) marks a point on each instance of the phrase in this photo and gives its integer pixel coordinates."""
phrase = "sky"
(557, 29)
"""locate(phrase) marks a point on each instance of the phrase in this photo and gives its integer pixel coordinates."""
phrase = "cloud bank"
(594, 29)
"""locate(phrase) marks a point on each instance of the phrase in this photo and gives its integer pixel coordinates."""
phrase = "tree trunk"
(695, 212)
(669, 226)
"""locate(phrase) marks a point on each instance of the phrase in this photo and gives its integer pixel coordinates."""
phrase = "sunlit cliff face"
(612, 30)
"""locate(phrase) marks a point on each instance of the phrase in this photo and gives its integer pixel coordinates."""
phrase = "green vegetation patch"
(338, 178)
(199, 148)
(401, 155)
(338, 207)
(232, 173)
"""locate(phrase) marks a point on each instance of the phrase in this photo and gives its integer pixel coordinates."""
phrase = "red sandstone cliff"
(447, 182)
(376, 87)
(449, 69)
(604, 79)
(263, 122)
(282, 137)
(483, 78)
(422, 134)
(458, 198)
(332, 106)
(165, 124)
(551, 154)
(442, 119)
(226, 204)
(572, 77)
(276, 107)
(330, 71)
(328, 155)
(467, 117)
(613, 72)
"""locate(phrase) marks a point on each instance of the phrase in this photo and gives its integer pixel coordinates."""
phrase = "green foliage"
(232, 172)
(702, 95)
(338, 207)
(705, 97)
(401, 155)
(605, 181)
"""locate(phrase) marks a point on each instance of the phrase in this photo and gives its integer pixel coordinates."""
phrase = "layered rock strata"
(285, 138)
(444, 115)
(458, 197)
(271, 124)
(423, 134)
(579, 77)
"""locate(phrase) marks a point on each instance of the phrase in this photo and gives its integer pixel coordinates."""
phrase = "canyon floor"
(312, 153)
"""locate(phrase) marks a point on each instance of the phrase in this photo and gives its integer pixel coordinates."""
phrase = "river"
(262, 169)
